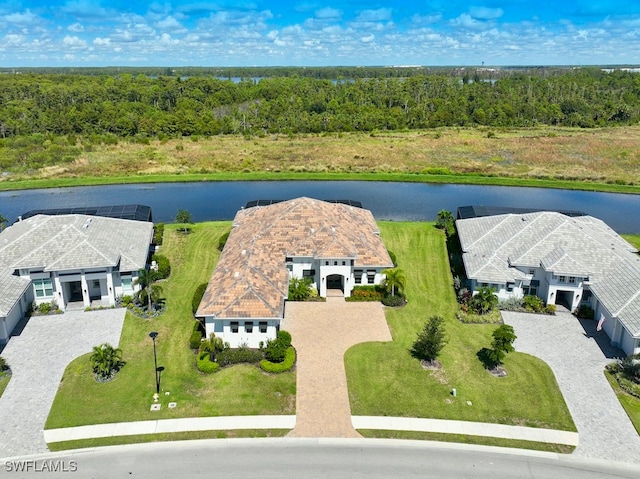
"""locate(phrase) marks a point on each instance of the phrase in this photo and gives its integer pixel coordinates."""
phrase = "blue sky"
(317, 33)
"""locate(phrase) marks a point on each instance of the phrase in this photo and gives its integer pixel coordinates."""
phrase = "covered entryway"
(564, 298)
(335, 281)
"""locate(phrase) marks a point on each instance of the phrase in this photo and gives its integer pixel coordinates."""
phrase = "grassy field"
(485, 441)
(633, 239)
(175, 436)
(630, 403)
(239, 390)
(384, 380)
(603, 159)
(4, 382)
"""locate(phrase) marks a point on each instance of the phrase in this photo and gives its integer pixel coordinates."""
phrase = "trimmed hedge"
(366, 293)
(285, 337)
(197, 297)
(394, 301)
(196, 336)
(222, 241)
(239, 355)
(205, 365)
(164, 267)
(158, 232)
(285, 365)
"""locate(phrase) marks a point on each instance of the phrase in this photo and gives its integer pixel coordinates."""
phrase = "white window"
(43, 287)
(126, 282)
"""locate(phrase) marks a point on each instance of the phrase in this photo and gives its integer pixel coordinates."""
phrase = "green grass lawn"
(384, 380)
(633, 239)
(4, 382)
(630, 403)
(239, 390)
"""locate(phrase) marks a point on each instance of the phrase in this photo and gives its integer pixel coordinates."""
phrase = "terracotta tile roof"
(251, 278)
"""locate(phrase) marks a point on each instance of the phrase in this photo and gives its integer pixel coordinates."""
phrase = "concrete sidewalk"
(288, 422)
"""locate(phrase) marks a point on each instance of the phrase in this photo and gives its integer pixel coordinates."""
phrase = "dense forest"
(42, 114)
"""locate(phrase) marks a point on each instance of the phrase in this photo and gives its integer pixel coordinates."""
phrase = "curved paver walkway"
(38, 358)
(577, 354)
(321, 333)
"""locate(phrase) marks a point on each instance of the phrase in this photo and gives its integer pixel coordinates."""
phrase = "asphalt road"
(312, 458)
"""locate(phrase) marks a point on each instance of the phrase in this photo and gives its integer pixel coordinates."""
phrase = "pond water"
(387, 200)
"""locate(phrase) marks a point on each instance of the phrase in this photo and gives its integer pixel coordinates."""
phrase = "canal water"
(387, 200)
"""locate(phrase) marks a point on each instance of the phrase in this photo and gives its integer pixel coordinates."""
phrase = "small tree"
(106, 360)
(184, 217)
(445, 221)
(503, 338)
(430, 340)
(394, 280)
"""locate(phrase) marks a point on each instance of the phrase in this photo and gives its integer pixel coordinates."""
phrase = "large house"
(569, 261)
(337, 246)
(69, 259)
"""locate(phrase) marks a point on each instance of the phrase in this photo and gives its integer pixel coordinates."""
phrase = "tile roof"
(251, 278)
(65, 242)
(578, 246)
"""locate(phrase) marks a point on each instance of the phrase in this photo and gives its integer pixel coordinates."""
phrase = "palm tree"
(484, 300)
(149, 293)
(394, 279)
(106, 360)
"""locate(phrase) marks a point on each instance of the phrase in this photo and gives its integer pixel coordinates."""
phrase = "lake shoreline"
(462, 179)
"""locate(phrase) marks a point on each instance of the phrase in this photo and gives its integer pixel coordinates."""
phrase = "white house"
(335, 245)
(71, 260)
(564, 260)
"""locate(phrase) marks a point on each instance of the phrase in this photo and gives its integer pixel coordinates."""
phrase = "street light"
(153, 335)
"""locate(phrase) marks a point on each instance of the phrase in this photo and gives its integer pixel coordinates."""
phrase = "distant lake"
(387, 200)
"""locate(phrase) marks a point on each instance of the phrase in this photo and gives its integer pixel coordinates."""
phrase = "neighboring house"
(336, 246)
(68, 259)
(563, 260)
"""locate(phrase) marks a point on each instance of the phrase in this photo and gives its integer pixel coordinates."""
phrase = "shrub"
(197, 297)
(222, 241)
(503, 338)
(430, 340)
(44, 308)
(275, 350)
(158, 233)
(125, 300)
(3, 364)
(394, 301)
(239, 355)
(299, 289)
(550, 309)
(164, 267)
(196, 337)
(510, 304)
(366, 293)
(394, 260)
(285, 365)
(585, 312)
(285, 337)
(205, 365)
(483, 301)
(533, 304)
(446, 222)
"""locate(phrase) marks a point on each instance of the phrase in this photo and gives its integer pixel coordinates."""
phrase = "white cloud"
(426, 19)
(484, 13)
(25, 18)
(466, 21)
(73, 42)
(86, 9)
(75, 28)
(169, 23)
(328, 13)
(102, 41)
(379, 15)
(367, 39)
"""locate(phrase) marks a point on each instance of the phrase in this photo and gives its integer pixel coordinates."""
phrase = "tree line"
(47, 107)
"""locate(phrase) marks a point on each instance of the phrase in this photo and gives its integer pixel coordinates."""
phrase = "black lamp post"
(153, 335)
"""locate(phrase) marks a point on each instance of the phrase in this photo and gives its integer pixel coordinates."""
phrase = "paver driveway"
(321, 333)
(577, 354)
(38, 358)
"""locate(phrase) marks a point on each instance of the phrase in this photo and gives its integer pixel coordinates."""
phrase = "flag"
(600, 322)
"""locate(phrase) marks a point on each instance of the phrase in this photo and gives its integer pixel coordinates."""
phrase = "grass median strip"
(238, 390)
(174, 436)
(384, 380)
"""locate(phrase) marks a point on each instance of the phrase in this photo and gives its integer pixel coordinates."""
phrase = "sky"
(318, 33)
